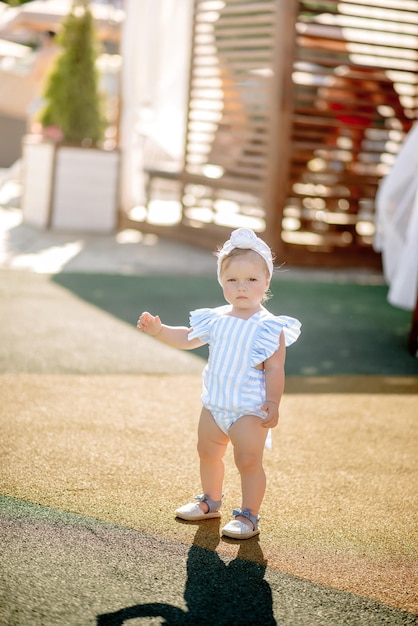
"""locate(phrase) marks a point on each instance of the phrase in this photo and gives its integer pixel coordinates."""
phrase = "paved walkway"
(94, 465)
(126, 252)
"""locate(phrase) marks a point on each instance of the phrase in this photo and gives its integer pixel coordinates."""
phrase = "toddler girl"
(243, 380)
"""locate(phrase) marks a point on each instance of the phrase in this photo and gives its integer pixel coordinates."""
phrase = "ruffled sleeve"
(268, 339)
(201, 321)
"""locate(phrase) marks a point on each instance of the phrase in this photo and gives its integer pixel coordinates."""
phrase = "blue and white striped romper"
(232, 387)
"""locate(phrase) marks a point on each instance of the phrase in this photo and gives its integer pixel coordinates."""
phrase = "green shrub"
(72, 99)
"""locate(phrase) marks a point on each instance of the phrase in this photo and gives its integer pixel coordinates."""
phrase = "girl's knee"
(248, 461)
(210, 450)
(201, 449)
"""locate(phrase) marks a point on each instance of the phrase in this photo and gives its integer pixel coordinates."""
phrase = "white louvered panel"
(229, 113)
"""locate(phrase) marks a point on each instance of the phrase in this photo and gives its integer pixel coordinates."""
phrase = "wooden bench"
(186, 178)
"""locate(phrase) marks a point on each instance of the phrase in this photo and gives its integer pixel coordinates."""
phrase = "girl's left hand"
(272, 410)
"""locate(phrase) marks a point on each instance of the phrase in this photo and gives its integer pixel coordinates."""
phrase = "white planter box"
(37, 178)
(68, 188)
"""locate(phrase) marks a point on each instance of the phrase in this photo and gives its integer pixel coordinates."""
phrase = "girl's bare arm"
(175, 336)
(274, 376)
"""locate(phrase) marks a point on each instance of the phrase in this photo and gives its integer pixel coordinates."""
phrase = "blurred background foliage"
(16, 3)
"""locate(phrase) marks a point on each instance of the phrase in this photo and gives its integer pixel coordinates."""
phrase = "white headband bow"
(245, 239)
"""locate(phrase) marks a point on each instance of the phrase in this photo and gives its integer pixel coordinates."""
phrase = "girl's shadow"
(217, 591)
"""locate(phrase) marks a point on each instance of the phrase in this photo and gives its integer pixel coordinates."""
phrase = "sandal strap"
(247, 513)
(212, 504)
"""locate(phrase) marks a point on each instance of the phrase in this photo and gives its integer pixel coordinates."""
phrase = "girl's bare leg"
(248, 438)
(211, 446)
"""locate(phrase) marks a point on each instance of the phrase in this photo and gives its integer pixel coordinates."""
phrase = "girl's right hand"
(150, 324)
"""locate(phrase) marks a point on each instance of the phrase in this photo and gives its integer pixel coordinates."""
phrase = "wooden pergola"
(296, 110)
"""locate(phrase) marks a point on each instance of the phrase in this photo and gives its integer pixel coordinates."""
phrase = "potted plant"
(70, 182)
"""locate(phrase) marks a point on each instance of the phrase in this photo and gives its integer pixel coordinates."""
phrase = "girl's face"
(244, 281)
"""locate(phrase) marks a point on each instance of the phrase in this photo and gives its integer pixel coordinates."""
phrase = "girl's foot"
(239, 529)
(204, 508)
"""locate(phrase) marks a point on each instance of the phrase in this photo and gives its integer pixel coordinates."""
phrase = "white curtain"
(155, 49)
(397, 225)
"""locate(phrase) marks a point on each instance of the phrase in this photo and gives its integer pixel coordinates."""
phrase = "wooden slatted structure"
(355, 97)
(295, 112)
